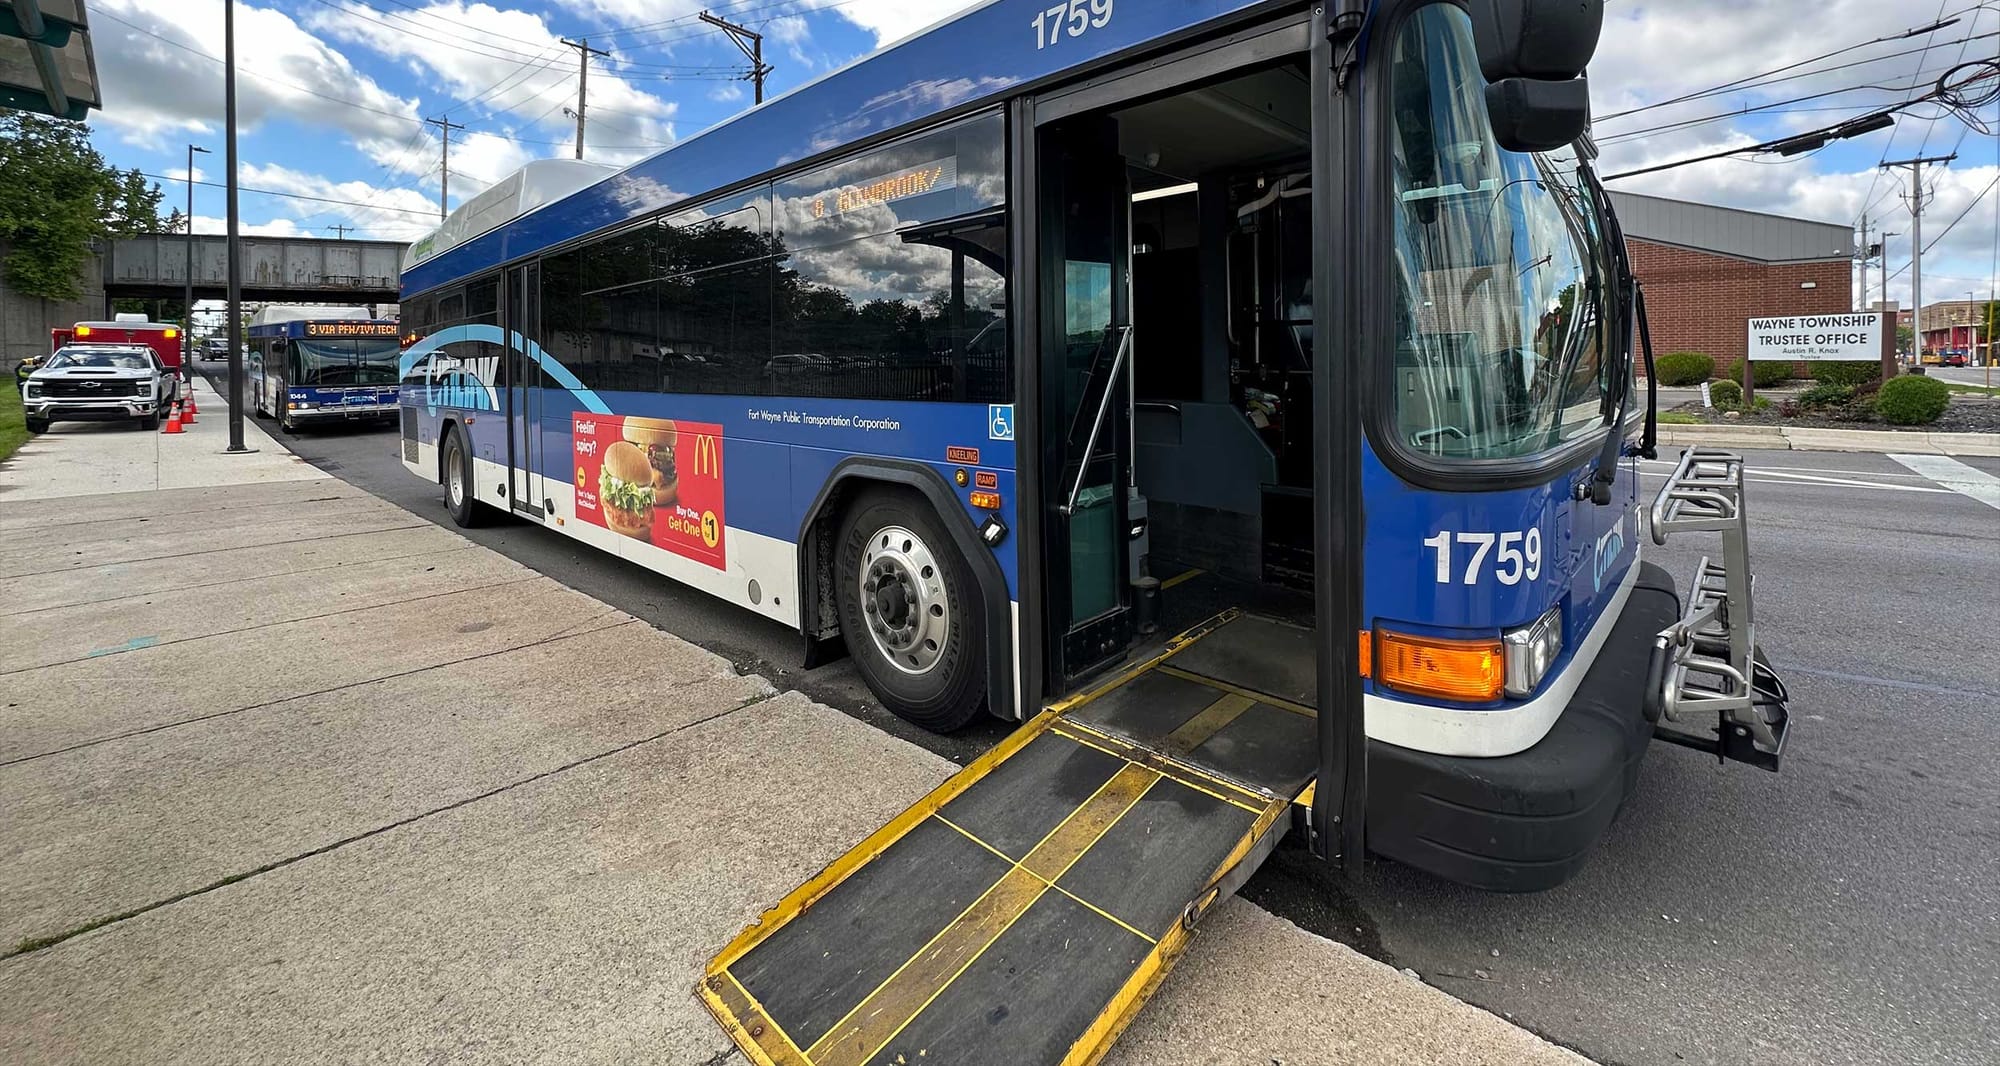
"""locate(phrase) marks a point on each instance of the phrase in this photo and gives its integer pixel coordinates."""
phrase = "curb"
(1804, 439)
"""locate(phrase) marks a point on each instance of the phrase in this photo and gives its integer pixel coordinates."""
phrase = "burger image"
(658, 439)
(625, 491)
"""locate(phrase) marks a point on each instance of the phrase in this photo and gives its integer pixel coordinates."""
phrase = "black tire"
(38, 425)
(939, 684)
(151, 421)
(468, 512)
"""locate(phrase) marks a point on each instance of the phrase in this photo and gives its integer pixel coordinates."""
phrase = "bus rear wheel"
(456, 472)
(909, 611)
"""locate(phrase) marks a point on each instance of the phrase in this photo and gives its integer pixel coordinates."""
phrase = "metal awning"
(47, 65)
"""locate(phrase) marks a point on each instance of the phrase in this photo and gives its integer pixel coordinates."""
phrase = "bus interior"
(1182, 224)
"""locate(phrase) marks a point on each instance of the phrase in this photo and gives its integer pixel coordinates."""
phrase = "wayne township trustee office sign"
(1817, 337)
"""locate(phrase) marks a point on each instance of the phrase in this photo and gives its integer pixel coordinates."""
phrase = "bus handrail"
(1097, 424)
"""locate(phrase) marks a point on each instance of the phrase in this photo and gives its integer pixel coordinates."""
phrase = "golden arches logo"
(707, 456)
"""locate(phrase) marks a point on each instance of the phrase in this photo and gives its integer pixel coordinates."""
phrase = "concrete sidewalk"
(88, 458)
(339, 785)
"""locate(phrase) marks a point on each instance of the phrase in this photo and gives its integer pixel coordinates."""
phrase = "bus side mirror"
(1533, 54)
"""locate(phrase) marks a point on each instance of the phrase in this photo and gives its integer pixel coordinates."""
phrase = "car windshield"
(105, 358)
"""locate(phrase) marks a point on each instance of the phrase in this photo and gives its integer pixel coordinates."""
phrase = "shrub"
(1765, 374)
(1763, 403)
(1684, 368)
(1912, 401)
(1826, 394)
(1725, 394)
(1849, 374)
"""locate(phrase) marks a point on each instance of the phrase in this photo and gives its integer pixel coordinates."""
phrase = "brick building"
(1956, 326)
(1709, 270)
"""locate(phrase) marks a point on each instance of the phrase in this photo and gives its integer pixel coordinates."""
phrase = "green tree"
(57, 195)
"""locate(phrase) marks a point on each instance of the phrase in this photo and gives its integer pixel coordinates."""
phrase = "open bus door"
(1024, 910)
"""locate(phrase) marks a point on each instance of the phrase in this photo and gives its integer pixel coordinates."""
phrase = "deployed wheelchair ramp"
(1022, 912)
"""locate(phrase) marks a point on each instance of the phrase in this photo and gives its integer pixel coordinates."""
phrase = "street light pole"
(235, 271)
(187, 308)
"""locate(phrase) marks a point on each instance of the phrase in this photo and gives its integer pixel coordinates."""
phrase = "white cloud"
(1652, 53)
(390, 214)
(508, 64)
(276, 227)
(891, 20)
(157, 91)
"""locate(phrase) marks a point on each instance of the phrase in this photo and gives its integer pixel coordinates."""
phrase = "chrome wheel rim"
(903, 600)
(454, 479)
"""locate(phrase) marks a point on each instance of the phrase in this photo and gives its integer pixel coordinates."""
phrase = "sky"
(333, 94)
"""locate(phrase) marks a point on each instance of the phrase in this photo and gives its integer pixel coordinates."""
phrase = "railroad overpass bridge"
(153, 266)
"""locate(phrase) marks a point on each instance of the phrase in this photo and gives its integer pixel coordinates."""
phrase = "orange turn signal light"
(83, 331)
(172, 333)
(986, 501)
(1469, 671)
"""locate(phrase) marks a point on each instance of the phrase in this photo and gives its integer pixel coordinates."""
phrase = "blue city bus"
(1239, 394)
(316, 366)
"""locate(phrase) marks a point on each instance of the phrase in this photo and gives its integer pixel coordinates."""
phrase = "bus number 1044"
(1072, 19)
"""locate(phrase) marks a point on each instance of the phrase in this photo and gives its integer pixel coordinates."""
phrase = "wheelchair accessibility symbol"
(1000, 421)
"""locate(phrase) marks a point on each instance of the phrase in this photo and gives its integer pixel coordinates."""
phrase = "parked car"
(1956, 359)
(785, 365)
(99, 383)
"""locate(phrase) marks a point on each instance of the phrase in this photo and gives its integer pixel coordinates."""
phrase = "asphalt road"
(1967, 375)
(1844, 911)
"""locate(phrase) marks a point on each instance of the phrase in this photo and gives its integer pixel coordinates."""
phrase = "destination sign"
(935, 176)
(351, 329)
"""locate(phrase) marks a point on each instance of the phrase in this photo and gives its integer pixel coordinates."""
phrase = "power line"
(1757, 81)
(1918, 80)
(288, 195)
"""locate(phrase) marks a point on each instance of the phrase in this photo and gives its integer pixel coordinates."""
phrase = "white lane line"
(1956, 476)
(1770, 478)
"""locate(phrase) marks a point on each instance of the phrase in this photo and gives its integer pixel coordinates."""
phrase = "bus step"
(1018, 915)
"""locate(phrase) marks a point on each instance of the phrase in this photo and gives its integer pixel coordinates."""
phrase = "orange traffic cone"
(187, 414)
(173, 424)
(190, 403)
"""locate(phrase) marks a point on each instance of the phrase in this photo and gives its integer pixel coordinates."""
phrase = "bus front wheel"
(909, 611)
(456, 473)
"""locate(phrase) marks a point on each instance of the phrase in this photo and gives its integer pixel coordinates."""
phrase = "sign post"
(1816, 338)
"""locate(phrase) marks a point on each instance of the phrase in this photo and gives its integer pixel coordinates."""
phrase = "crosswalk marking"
(1956, 476)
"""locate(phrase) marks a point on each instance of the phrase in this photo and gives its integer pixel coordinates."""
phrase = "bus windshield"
(326, 363)
(1498, 264)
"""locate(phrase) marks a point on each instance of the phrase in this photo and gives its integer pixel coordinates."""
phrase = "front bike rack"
(1708, 663)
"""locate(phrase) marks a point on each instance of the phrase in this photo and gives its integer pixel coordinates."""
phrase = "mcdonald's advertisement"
(654, 480)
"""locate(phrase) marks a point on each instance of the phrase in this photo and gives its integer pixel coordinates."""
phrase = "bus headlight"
(1531, 651)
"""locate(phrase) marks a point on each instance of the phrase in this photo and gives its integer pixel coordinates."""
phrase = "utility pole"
(1885, 270)
(1917, 242)
(583, 53)
(445, 125)
(340, 232)
(187, 308)
(753, 50)
(235, 271)
(1867, 253)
